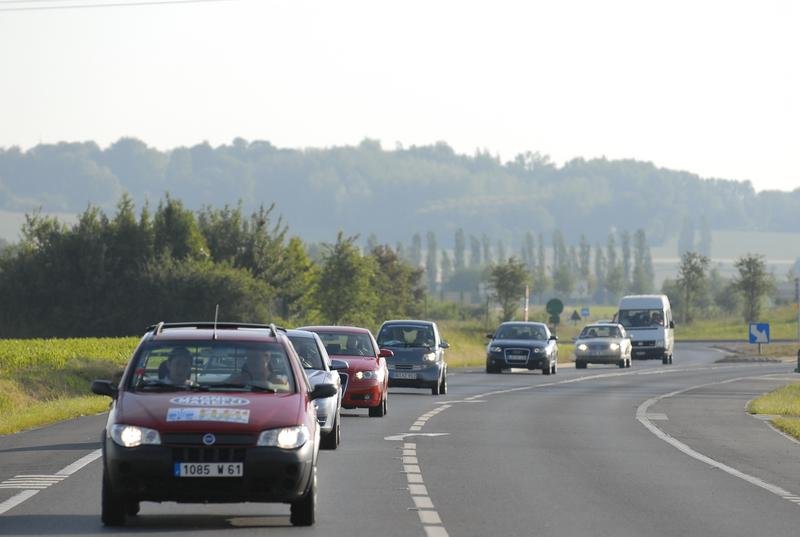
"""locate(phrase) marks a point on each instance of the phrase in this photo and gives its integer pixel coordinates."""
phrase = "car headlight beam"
(131, 436)
(284, 438)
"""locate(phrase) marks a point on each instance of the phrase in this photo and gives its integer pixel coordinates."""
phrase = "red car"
(366, 380)
(211, 413)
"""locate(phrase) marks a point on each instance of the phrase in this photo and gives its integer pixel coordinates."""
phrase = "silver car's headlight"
(495, 349)
(285, 438)
(132, 436)
(583, 347)
(614, 346)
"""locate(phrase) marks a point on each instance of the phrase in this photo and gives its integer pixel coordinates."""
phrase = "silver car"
(320, 369)
(603, 343)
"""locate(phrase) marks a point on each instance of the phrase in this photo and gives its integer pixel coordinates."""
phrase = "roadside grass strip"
(783, 405)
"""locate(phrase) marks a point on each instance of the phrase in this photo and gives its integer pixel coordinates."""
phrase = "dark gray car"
(522, 344)
(418, 360)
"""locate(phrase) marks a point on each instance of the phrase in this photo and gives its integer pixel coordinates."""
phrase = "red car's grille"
(208, 454)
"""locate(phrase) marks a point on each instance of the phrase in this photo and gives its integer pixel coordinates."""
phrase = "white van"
(648, 320)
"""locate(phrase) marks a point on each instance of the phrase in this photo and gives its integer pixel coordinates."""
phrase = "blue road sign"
(759, 333)
(584, 312)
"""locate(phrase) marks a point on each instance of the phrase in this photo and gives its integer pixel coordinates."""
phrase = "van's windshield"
(641, 318)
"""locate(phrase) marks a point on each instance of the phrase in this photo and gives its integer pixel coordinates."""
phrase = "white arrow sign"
(758, 336)
(403, 436)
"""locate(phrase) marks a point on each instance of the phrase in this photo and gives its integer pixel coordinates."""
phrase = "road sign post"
(758, 334)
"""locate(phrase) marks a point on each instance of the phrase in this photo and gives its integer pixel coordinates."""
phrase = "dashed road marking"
(33, 483)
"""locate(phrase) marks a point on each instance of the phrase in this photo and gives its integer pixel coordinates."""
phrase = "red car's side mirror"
(385, 353)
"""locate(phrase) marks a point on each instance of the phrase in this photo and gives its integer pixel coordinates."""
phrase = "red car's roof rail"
(210, 325)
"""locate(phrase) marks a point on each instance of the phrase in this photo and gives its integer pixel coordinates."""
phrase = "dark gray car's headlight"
(496, 349)
(537, 350)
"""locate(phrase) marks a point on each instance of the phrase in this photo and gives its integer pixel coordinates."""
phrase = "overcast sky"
(712, 87)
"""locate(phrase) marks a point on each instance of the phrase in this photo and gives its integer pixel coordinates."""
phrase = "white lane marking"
(414, 478)
(656, 416)
(429, 517)
(641, 416)
(415, 428)
(80, 463)
(411, 469)
(403, 436)
(417, 490)
(33, 483)
(436, 531)
(17, 499)
(410, 460)
(422, 502)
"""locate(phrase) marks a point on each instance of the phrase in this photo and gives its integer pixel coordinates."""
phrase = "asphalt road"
(652, 450)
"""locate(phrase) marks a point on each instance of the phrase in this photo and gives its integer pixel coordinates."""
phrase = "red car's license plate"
(209, 469)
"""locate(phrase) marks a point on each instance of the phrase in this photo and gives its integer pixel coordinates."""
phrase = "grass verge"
(46, 381)
(783, 403)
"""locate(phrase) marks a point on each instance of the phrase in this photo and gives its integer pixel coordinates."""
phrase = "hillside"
(391, 193)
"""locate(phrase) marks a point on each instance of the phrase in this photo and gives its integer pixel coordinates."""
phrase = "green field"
(47, 380)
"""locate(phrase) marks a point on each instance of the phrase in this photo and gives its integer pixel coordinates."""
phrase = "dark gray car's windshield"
(520, 331)
(406, 336)
(213, 366)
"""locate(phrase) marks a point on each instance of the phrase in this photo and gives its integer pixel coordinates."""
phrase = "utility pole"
(526, 308)
(797, 304)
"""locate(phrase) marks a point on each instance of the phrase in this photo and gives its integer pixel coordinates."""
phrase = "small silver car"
(603, 343)
(320, 369)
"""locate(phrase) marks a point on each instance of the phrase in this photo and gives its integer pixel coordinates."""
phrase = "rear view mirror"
(104, 387)
(672, 324)
(322, 390)
(444, 344)
(339, 365)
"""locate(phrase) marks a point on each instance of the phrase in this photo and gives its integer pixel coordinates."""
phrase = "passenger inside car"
(259, 370)
(179, 366)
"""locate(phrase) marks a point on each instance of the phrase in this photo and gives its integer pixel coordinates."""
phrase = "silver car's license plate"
(209, 469)
(405, 375)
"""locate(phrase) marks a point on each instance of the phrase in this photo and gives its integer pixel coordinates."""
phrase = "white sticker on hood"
(209, 400)
(229, 415)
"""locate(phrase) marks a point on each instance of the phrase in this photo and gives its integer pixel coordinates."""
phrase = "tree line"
(598, 273)
(366, 189)
(114, 275)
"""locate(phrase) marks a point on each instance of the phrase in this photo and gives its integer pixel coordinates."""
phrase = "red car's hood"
(188, 411)
(359, 363)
